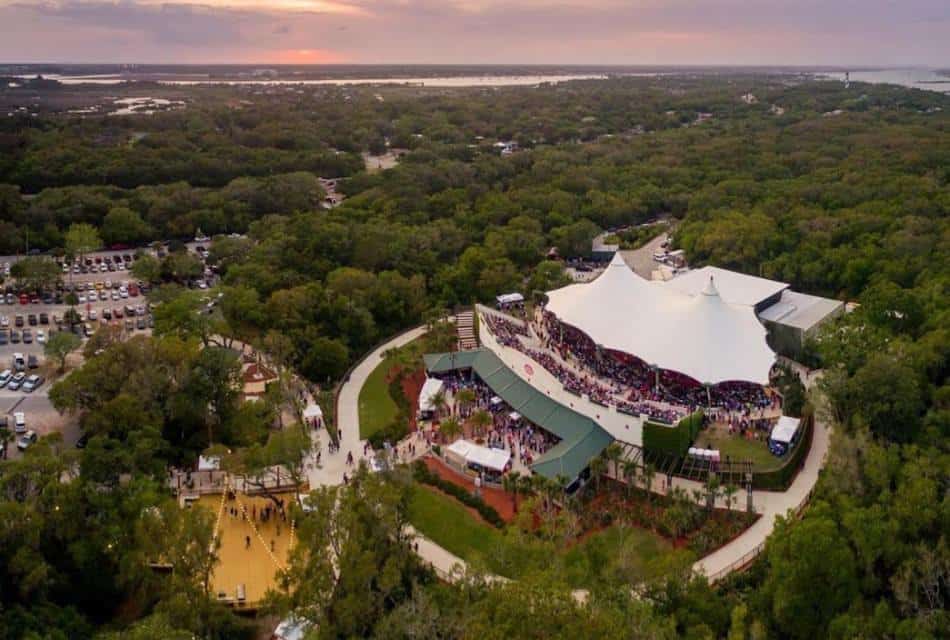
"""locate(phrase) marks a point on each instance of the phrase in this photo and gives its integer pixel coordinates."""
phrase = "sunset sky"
(803, 32)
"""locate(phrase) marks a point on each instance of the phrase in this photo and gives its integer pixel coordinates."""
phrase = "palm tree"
(512, 484)
(648, 474)
(480, 421)
(612, 454)
(450, 428)
(729, 492)
(439, 402)
(465, 398)
(629, 474)
(597, 467)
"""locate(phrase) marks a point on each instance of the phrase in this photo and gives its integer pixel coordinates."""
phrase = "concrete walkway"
(715, 566)
(333, 466)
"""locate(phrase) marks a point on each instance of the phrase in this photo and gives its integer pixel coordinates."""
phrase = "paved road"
(641, 260)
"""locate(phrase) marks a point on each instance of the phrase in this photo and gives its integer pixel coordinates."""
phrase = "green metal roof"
(581, 437)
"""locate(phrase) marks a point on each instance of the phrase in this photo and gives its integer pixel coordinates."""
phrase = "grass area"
(450, 525)
(616, 553)
(376, 407)
(739, 448)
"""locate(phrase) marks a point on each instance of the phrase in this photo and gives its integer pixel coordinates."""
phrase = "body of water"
(927, 79)
(447, 81)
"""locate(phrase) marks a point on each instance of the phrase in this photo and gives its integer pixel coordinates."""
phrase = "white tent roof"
(734, 287)
(489, 458)
(209, 463)
(431, 387)
(312, 410)
(785, 429)
(700, 335)
(509, 298)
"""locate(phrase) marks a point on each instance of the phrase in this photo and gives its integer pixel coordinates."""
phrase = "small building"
(797, 317)
(255, 378)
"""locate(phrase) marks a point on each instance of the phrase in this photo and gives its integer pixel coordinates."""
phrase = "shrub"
(422, 474)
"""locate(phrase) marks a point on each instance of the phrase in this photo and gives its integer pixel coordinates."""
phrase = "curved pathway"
(716, 565)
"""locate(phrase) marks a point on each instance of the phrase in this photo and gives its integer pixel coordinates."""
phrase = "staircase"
(465, 326)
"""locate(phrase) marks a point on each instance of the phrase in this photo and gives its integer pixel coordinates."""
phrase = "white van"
(19, 362)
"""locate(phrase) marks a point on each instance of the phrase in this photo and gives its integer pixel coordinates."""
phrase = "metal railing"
(746, 559)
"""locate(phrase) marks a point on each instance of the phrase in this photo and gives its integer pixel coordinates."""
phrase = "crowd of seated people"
(505, 331)
(667, 415)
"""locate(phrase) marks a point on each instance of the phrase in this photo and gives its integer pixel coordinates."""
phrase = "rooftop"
(581, 437)
(800, 310)
(734, 287)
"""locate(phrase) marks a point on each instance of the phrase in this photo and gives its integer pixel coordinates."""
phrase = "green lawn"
(626, 554)
(377, 408)
(450, 525)
(739, 449)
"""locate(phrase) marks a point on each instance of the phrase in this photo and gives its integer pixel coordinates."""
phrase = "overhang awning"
(581, 437)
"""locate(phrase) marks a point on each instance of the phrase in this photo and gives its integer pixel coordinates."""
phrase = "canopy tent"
(209, 463)
(785, 429)
(701, 335)
(509, 298)
(312, 411)
(514, 416)
(471, 453)
(495, 400)
(430, 389)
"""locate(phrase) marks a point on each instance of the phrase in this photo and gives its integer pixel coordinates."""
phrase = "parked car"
(140, 323)
(32, 362)
(26, 440)
(27, 336)
(16, 381)
(5, 377)
(19, 422)
(4, 337)
(18, 321)
(32, 383)
(19, 362)
(14, 337)
(4, 321)
(32, 320)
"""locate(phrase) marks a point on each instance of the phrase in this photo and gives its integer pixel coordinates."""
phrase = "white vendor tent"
(209, 463)
(785, 429)
(312, 411)
(701, 336)
(509, 298)
(430, 388)
(472, 453)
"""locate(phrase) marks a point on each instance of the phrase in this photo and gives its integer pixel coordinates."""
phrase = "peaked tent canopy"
(700, 335)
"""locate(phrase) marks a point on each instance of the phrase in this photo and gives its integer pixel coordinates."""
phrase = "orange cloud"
(307, 56)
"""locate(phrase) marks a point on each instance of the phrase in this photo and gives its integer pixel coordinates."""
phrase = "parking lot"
(105, 297)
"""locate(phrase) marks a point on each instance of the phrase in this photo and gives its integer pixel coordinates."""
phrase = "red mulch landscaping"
(411, 387)
(496, 498)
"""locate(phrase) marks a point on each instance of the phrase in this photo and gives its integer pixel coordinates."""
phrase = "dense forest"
(838, 191)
